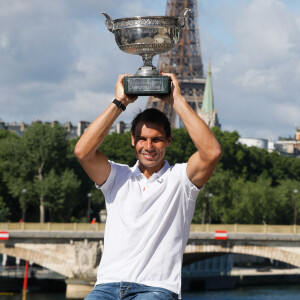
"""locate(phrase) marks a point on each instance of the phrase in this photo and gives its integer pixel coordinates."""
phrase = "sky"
(59, 62)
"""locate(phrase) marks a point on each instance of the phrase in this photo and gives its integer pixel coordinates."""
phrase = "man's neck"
(148, 172)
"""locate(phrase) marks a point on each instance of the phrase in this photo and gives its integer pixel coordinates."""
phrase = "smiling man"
(150, 135)
(150, 205)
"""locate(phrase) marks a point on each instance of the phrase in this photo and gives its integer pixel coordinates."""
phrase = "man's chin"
(148, 163)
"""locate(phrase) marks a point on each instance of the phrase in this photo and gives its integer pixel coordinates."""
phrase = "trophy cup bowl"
(147, 36)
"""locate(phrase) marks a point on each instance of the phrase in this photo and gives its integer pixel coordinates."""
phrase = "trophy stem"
(147, 58)
(147, 69)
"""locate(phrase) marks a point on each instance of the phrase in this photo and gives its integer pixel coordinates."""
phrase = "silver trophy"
(147, 36)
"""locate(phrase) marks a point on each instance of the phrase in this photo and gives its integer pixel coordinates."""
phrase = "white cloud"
(54, 54)
(58, 60)
(256, 79)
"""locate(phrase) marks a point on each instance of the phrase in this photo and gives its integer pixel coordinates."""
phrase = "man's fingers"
(132, 98)
(171, 75)
(173, 78)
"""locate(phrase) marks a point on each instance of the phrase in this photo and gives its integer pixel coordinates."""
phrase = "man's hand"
(119, 91)
(175, 93)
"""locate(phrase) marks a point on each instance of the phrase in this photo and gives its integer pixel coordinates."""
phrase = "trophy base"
(147, 85)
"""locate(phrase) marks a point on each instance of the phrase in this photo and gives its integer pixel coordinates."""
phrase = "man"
(149, 206)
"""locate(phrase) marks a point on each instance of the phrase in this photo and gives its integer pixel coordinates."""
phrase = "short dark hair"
(152, 115)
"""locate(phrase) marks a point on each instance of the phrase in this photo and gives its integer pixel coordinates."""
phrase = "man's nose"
(149, 145)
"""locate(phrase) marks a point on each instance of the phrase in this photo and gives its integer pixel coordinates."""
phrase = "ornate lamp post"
(295, 206)
(210, 195)
(24, 191)
(89, 195)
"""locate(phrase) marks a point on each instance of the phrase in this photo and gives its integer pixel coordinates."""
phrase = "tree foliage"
(37, 164)
(249, 185)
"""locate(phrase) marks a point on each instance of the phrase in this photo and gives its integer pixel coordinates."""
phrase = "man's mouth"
(149, 155)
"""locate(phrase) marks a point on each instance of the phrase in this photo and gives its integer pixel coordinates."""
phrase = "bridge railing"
(231, 228)
(246, 228)
(52, 226)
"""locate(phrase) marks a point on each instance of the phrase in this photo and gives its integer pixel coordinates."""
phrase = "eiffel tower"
(184, 61)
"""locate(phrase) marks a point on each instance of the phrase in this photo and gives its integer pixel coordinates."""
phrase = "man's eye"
(140, 139)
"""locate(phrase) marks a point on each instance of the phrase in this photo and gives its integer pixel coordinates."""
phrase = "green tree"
(59, 192)
(249, 185)
(4, 211)
(287, 202)
(181, 147)
(33, 161)
(6, 206)
(117, 147)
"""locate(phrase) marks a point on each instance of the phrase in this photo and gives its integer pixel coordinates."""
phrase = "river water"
(278, 292)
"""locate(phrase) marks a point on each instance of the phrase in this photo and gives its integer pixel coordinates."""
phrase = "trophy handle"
(182, 17)
(108, 22)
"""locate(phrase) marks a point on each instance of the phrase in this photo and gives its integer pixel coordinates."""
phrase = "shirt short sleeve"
(107, 185)
(191, 190)
(118, 174)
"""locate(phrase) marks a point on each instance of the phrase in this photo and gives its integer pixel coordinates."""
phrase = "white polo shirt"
(147, 226)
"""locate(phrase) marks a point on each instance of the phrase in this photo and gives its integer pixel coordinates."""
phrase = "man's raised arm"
(94, 162)
(203, 162)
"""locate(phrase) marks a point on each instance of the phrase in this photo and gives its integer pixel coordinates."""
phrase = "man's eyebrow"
(160, 137)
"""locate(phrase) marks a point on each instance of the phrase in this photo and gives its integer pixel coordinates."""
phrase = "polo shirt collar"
(136, 172)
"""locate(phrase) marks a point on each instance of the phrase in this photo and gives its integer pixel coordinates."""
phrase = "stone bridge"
(74, 250)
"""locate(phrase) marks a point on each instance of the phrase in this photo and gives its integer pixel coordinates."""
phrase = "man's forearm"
(94, 135)
(199, 132)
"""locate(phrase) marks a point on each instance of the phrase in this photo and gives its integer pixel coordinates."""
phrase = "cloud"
(256, 78)
(59, 62)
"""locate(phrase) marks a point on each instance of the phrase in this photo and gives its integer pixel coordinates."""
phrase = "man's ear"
(169, 140)
(132, 141)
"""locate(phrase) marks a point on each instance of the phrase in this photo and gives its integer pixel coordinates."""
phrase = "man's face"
(150, 144)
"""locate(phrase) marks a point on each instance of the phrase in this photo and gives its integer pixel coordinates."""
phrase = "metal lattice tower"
(184, 61)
